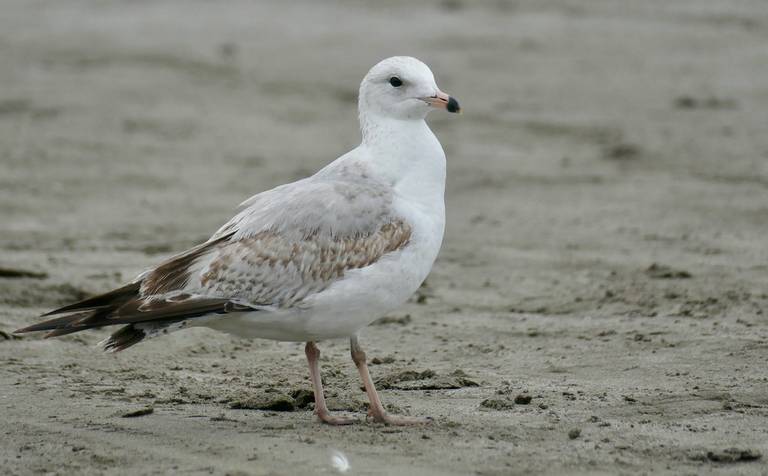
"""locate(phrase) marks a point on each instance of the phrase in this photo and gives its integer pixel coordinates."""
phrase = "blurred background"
(605, 250)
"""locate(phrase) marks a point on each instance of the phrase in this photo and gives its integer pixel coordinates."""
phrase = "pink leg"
(321, 410)
(377, 409)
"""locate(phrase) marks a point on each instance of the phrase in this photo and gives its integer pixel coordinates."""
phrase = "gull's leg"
(313, 357)
(377, 409)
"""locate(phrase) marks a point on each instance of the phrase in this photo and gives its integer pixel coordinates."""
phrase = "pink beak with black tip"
(443, 101)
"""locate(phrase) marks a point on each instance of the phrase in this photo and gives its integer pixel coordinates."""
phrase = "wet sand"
(599, 303)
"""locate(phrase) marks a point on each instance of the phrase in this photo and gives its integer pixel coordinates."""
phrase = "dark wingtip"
(40, 326)
(24, 330)
(71, 323)
(44, 326)
(53, 332)
(101, 301)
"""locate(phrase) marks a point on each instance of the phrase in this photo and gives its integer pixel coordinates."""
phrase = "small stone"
(383, 360)
(734, 455)
(497, 404)
(139, 413)
(660, 271)
(523, 399)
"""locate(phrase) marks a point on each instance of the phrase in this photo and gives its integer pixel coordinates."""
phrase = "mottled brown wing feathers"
(268, 269)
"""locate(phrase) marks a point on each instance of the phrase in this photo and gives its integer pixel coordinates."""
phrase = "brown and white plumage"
(315, 259)
(284, 246)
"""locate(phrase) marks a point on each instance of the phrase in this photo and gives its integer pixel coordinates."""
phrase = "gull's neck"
(406, 153)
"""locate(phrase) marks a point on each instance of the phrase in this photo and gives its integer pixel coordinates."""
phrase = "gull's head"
(402, 87)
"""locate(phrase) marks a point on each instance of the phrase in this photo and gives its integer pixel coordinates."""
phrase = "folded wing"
(286, 245)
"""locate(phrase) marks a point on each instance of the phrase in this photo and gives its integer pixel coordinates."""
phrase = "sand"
(599, 303)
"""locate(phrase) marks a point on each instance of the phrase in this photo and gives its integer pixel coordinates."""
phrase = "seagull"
(316, 259)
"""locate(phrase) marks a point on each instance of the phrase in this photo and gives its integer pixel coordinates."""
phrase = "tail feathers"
(122, 339)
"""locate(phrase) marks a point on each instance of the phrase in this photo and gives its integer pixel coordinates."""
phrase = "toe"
(335, 420)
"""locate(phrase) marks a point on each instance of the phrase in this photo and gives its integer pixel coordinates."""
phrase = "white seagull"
(319, 258)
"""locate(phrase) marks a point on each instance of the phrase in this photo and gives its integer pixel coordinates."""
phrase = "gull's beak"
(443, 101)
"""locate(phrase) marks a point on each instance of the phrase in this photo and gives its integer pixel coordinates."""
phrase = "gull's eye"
(395, 82)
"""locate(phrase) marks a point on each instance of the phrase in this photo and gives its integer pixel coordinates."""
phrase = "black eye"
(395, 82)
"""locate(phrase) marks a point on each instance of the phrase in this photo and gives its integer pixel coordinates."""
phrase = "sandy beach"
(599, 303)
